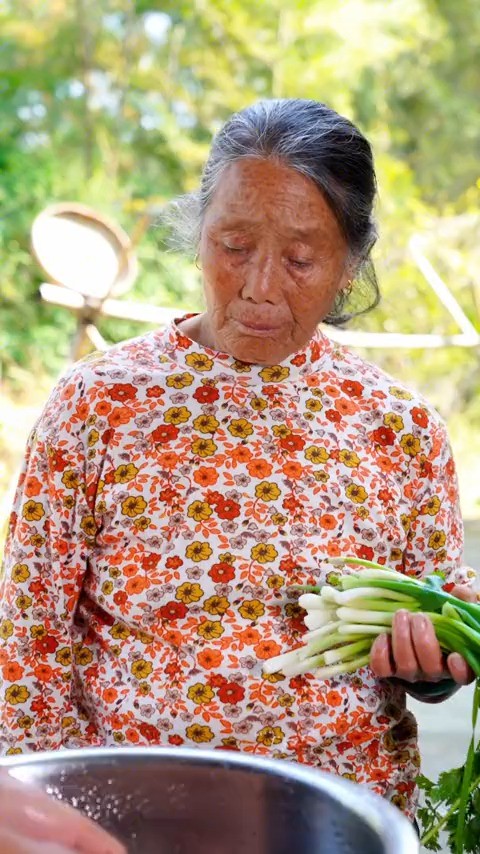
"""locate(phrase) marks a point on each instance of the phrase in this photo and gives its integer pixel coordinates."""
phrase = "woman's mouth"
(262, 329)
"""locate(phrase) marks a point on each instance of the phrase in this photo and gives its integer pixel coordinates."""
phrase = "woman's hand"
(412, 652)
(31, 822)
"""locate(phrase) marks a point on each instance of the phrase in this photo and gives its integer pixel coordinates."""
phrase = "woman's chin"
(260, 351)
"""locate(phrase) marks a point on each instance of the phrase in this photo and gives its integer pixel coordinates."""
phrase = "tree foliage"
(114, 102)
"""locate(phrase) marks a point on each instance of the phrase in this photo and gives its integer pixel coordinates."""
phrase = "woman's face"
(273, 259)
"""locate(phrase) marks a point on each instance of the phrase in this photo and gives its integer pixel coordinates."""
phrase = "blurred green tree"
(113, 103)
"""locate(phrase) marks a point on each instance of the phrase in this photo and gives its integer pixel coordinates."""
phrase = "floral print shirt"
(169, 498)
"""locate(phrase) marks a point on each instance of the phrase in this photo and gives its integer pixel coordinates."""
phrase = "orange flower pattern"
(170, 496)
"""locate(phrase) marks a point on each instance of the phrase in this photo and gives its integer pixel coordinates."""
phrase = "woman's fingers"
(403, 650)
(464, 593)
(45, 820)
(413, 653)
(11, 843)
(459, 669)
(380, 657)
(426, 648)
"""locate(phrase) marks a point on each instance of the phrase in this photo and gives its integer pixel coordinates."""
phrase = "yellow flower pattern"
(188, 592)
(251, 610)
(200, 693)
(20, 573)
(180, 380)
(267, 491)
(125, 473)
(198, 551)
(199, 734)
(275, 374)
(33, 511)
(199, 361)
(16, 694)
(240, 427)
(204, 447)
(177, 415)
(199, 510)
(316, 454)
(356, 493)
(171, 498)
(206, 424)
(264, 553)
(349, 459)
(133, 506)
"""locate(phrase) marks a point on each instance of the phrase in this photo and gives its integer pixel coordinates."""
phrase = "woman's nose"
(262, 281)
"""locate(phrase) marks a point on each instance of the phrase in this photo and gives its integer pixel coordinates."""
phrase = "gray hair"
(317, 142)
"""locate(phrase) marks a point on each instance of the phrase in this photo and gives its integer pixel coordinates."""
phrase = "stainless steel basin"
(178, 801)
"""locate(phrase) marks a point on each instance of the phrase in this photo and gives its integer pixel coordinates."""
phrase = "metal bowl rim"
(385, 819)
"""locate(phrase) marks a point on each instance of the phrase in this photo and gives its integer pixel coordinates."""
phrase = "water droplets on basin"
(99, 804)
(174, 807)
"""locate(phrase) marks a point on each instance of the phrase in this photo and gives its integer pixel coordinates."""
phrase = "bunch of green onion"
(344, 620)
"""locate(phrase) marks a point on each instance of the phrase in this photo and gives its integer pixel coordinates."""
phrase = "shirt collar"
(191, 357)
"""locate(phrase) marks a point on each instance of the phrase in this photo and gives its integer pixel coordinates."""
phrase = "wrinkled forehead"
(254, 190)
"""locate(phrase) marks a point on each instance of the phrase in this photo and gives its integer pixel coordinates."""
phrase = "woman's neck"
(197, 328)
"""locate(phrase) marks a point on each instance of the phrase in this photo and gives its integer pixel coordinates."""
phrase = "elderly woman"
(177, 486)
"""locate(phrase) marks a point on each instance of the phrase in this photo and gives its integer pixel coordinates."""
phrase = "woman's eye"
(234, 248)
(301, 265)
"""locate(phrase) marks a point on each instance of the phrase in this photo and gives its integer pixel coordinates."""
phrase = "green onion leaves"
(343, 622)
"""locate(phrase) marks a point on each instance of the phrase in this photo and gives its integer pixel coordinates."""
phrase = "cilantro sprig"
(452, 804)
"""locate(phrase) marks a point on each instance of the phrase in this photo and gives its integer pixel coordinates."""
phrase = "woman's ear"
(348, 279)
(352, 268)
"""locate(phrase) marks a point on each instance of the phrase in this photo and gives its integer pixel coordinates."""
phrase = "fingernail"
(36, 815)
(57, 849)
(36, 823)
(41, 825)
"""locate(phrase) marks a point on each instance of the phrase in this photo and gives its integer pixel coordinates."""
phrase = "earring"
(197, 265)
(348, 289)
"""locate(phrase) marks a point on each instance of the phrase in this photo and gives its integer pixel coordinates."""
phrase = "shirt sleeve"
(50, 533)
(435, 526)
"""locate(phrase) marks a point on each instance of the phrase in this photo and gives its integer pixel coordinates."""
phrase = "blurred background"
(113, 103)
